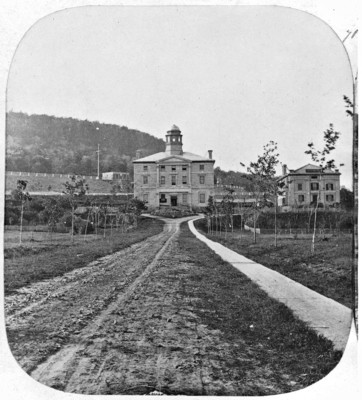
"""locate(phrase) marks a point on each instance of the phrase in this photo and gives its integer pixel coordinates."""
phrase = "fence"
(16, 173)
(59, 228)
(301, 232)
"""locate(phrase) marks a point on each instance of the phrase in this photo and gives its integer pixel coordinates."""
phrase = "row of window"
(174, 180)
(329, 198)
(315, 186)
(173, 167)
(202, 198)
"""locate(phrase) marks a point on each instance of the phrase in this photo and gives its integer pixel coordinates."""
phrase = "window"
(173, 167)
(145, 197)
(202, 179)
(145, 179)
(184, 180)
(184, 168)
(314, 177)
(173, 180)
(301, 198)
(300, 186)
(163, 168)
(202, 167)
(163, 198)
(145, 168)
(329, 197)
(329, 186)
(314, 186)
(202, 197)
(163, 180)
(184, 198)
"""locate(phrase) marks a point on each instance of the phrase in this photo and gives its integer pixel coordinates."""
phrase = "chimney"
(284, 169)
(138, 154)
(210, 154)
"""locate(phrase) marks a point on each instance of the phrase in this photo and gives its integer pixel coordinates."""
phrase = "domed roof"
(174, 128)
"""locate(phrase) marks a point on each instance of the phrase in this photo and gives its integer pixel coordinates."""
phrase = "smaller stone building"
(306, 186)
(115, 176)
(174, 178)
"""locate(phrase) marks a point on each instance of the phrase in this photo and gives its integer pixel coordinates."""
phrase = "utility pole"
(98, 163)
(97, 128)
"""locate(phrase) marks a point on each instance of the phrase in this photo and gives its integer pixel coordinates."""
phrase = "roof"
(174, 128)
(310, 169)
(163, 156)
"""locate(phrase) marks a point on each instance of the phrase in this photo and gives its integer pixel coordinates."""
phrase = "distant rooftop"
(163, 155)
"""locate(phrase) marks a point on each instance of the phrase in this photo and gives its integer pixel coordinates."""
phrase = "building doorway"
(314, 198)
(173, 201)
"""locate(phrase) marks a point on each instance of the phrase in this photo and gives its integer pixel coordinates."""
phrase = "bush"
(31, 217)
(66, 219)
(80, 226)
(11, 218)
(304, 220)
(61, 228)
(173, 212)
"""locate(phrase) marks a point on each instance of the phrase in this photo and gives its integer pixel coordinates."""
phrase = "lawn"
(40, 257)
(328, 271)
(264, 338)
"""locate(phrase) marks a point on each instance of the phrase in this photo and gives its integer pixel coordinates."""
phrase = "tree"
(135, 207)
(347, 199)
(277, 189)
(227, 206)
(52, 212)
(75, 189)
(21, 194)
(210, 208)
(262, 178)
(330, 138)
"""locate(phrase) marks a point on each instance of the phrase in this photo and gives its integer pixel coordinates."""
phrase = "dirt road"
(110, 327)
(156, 318)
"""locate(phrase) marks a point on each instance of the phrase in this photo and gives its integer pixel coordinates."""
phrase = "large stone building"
(174, 178)
(309, 184)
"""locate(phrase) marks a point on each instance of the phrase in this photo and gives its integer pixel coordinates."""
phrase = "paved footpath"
(326, 316)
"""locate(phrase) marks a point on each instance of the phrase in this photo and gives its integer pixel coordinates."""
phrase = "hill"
(235, 178)
(48, 144)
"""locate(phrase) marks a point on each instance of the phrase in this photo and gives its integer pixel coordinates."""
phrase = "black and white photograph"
(179, 200)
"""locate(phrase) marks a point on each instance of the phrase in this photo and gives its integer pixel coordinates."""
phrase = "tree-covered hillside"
(43, 143)
(232, 178)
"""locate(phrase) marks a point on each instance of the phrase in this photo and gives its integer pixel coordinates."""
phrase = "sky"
(232, 78)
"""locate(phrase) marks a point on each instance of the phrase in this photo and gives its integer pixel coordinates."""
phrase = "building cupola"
(174, 141)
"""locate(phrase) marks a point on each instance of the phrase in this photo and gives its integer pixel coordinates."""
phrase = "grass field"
(39, 257)
(263, 331)
(328, 271)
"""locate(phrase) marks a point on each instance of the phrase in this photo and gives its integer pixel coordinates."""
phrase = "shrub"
(173, 212)
(80, 226)
(11, 218)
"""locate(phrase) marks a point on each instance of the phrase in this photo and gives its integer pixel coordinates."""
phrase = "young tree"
(52, 212)
(210, 208)
(227, 207)
(74, 190)
(135, 207)
(277, 189)
(262, 177)
(330, 138)
(22, 195)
